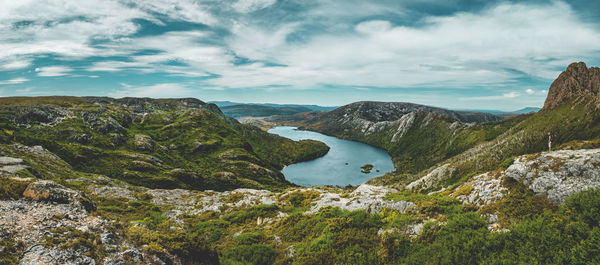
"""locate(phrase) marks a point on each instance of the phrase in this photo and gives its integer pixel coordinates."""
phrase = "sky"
(459, 54)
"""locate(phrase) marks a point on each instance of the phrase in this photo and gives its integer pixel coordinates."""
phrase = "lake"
(340, 166)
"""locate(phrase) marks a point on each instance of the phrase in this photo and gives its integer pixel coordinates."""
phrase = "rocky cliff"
(577, 83)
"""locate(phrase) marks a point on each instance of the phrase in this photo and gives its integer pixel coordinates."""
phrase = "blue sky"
(457, 54)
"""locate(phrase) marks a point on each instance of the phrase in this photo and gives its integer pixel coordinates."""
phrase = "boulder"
(46, 190)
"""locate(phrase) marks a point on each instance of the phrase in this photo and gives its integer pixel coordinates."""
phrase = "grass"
(191, 145)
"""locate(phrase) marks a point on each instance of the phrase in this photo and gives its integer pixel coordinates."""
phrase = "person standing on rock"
(549, 142)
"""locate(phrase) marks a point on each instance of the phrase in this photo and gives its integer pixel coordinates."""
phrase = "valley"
(97, 180)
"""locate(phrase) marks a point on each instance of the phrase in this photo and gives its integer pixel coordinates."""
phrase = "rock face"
(46, 190)
(575, 83)
(558, 174)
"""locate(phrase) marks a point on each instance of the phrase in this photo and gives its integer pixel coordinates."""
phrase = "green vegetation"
(12, 188)
(433, 141)
(280, 151)
(73, 239)
(366, 168)
(10, 251)
(152, 143)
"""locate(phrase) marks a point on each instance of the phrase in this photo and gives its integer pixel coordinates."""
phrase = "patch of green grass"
(11, 188)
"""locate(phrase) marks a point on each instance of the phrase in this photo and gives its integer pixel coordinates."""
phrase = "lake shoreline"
(341, 166)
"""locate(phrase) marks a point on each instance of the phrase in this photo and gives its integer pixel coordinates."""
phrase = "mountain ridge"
(577, 82)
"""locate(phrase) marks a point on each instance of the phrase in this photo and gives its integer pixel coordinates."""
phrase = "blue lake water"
(332, 169)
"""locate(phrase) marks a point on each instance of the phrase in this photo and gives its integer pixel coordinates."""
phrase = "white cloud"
(530, 91)
(14, 63)
(166, 90)
(511, 95)
(462, 50)
(51, 71)
(373, 26)
(247, 6)
(187, 10)
(14, 81)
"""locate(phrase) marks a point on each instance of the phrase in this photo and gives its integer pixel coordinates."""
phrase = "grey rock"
(133, 254)
(5, 160)
(38, 254)
(36, 114)
(46, 190)
(558, 174)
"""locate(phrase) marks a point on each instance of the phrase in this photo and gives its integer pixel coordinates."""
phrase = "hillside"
(416, 136)
(570, 114)
(167, 143)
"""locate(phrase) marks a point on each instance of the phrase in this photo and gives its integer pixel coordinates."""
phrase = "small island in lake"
(366, 168)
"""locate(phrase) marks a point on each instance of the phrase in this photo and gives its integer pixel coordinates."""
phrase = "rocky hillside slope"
(572, 115)
(169, 143)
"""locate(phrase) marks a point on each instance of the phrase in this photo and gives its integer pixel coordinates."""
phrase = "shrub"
(256, 254)
(11, 188)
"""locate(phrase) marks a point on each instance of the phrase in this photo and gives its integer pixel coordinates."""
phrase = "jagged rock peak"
(577, 82)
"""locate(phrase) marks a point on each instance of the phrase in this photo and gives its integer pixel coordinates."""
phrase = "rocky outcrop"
(558, 174)
(38, 114)
(482, 190)
(102, 123)
(143, 143)
(46, 190)
(365, 197)
(432, 179)
(576, 83)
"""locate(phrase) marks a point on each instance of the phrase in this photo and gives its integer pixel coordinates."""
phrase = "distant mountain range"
(239, 110)
(503, 113)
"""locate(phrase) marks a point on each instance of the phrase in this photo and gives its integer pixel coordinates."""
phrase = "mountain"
(416, 136)
(506, 113)
(576, 84)
(525, 110)
(312, 107)
(169, 143)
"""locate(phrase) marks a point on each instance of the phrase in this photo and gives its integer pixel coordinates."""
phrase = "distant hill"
(248, 110)
(504, 113)
(286, 108)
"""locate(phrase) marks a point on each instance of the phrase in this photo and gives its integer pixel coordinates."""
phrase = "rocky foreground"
(87, 220)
